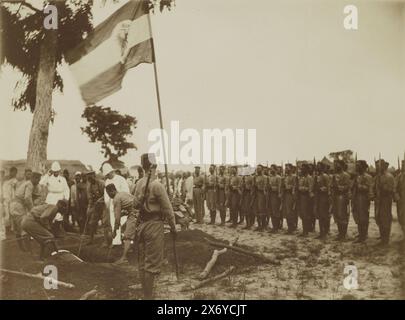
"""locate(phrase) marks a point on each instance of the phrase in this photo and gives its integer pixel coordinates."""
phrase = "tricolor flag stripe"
(121, 42)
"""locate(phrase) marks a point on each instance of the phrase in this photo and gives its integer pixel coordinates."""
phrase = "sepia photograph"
(216, 151)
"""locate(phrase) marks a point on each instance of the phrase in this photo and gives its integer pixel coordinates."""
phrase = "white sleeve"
(124, 187)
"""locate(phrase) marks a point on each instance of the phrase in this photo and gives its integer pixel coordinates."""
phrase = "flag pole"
(159, 105)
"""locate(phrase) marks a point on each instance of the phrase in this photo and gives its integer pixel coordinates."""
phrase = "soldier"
(304, 199)
(234, 196)
(96, 206)
(287, 198)
(123, 204)
(340, 197)
(385, 188)
(259, 197)
(313, 174)
(222, 186)
(362, 195)
(246, 201)
(321, 199)
(274, 197)
(400, 196)
(153, 204)
(23, 201)
(38, 224)
(198, 195)
(210, 193)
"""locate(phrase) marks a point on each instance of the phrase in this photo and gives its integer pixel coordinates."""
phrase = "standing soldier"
(400, 196)
(385, 188)
(362, 195)
(153, 204)
(274, 198)
(96, 206)
(234, 196)
(321, 199)
(222, 185)
(340, 196)
(259, 197)
(246, 202)
(287, 198)
(304, 197)
(198, 195)
(313, 174)
(210, 193)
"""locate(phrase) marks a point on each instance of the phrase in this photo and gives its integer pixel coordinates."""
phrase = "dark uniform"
(96, 206)
(210, 195)
(304, 202)
(321, 205)
(362, 194)
(246, 203)
(400, 197)
(222, 185)
(340, 197)
(274, 200)
(287, 200)
(385, 188)
(259, 196)
(198, 198)
(234, 198)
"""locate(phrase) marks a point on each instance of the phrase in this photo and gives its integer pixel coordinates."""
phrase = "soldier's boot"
(148, 286)
(259, 224)
(241, 218)
(321, 230)
(212, 217)
(248, 222)
(20, 242)
(222, 214)
(276, 224)
(107, 238)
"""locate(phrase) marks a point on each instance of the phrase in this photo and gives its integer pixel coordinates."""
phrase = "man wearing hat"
(38, 224)
(340, 196)
(56, 185)
(259, 197)
(321, 199)
(154, 206)
(287, 198)
(246, 202)
(222, 185)
(304, 199)
(385, 188)
(198, 195)
(23, 201)
(121, 185)
(362, 194)
(210, 186)
(96, 206)
(274, 198)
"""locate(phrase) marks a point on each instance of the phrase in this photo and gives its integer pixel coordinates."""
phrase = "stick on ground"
(215, 278)
(211, 263)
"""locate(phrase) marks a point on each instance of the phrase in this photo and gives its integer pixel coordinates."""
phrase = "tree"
(111, 129)
(36, 52)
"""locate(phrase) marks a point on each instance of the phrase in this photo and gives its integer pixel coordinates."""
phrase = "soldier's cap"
(222, 166)
(36, 174)
(197, 167)
(383, 163)
(148, 160)
(213, 166)
(110, 187)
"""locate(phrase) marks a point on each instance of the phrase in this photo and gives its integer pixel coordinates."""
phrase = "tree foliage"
(111, 129)
(22, 33)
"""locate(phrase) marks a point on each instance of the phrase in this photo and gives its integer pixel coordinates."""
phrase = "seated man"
(38, 224)
(123, 204)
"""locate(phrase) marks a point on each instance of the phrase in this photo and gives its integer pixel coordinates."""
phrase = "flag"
(101, 60)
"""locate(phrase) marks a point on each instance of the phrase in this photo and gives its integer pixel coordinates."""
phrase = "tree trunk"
(38, 141)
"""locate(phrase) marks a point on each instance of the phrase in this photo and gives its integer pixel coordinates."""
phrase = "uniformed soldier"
(313, 174)
(25, 198)
(234, 196)
(362, 194)
(340, 197)
(123, 203)
(96, 207)
(38, 224)
(321, 199)
(198, 195)
(246, 202)
(304, 199)
(385, 188)
(400, 196)
(210, 193)
(274, 198)
(222, 186)
(287, 198)
(154, 206)
(259, 197)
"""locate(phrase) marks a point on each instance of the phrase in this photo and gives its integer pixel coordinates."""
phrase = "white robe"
(121, 185)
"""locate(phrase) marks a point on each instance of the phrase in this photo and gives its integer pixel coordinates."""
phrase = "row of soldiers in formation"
(313, 192)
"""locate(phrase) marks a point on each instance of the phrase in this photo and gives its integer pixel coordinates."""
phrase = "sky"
(286, 68)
